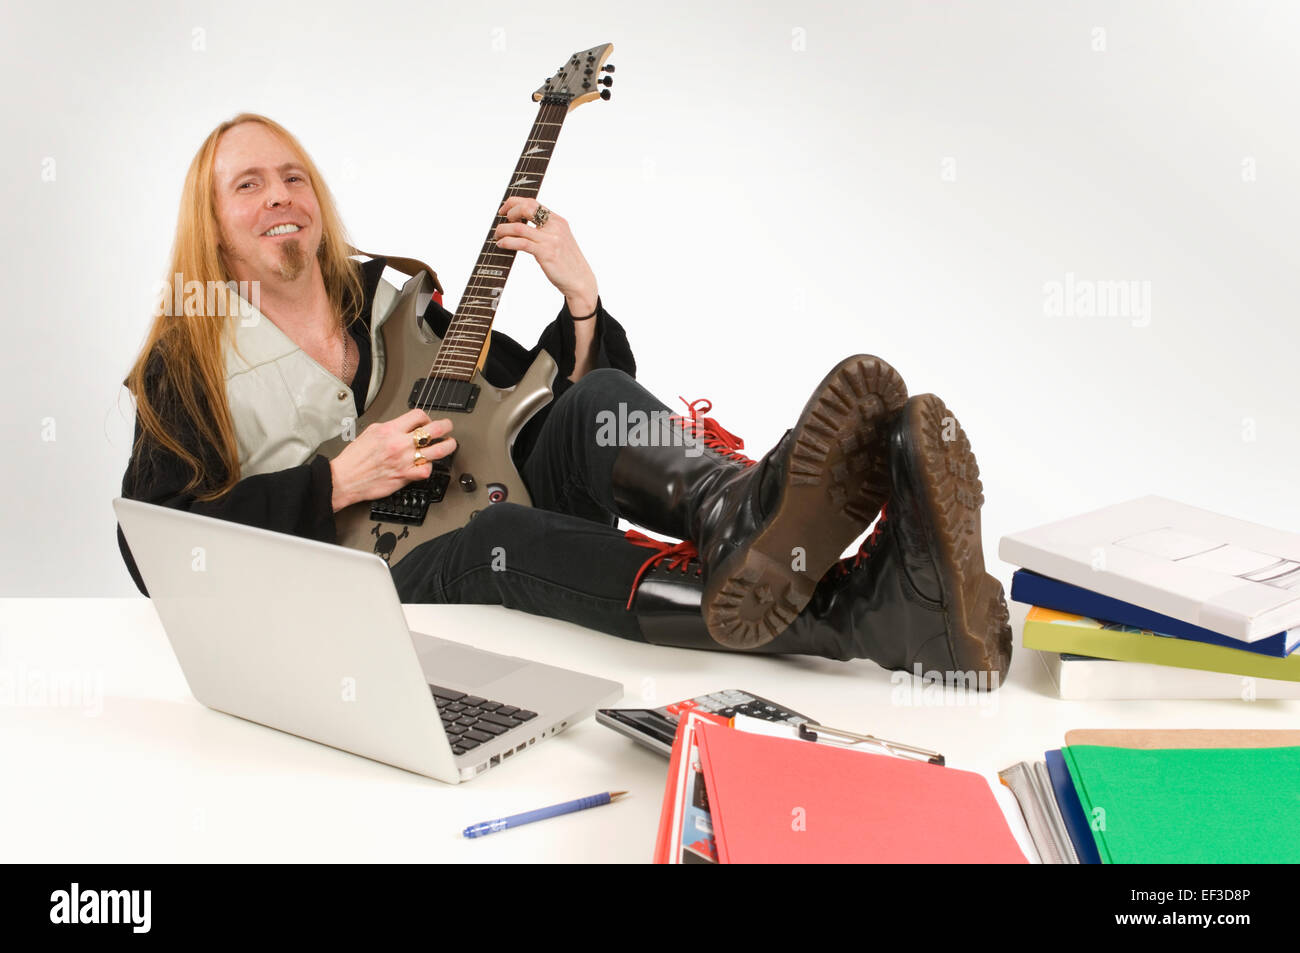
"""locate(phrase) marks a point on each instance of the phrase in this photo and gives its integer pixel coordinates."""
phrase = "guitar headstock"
(579, 80)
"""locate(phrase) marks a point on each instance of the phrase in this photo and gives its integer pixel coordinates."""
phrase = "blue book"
(1035, 590)
(1067, 799)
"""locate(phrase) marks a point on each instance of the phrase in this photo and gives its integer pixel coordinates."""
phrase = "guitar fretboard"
(467, 333)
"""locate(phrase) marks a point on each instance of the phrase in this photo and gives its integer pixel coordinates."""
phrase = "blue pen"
(555, 810)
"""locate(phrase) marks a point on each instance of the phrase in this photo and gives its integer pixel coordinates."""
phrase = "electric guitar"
(442, 376)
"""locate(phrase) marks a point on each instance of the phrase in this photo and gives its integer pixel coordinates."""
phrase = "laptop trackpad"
(460, 666)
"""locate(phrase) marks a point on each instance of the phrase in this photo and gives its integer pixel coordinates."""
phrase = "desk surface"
(110, 759)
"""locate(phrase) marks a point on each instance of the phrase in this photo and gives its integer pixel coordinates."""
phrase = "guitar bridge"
(443, 393)
(410, 504)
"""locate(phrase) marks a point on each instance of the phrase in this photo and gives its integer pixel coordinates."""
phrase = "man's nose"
(277, 194)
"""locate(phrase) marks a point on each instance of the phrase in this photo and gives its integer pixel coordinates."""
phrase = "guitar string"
(449, 358)
(443, 360)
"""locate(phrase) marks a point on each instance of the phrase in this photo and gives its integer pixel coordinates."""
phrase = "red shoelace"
(717, 438)
(710, 432)
(679, 556)
(850, 563)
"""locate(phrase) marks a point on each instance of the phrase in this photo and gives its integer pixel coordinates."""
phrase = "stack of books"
(1156, 599)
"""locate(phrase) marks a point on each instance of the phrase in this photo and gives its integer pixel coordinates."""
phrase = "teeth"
(282, 230)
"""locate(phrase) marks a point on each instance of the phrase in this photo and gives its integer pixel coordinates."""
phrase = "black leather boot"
(933, 550)
(915, 598)
(767, 533)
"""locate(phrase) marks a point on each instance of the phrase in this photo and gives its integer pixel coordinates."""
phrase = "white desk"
(146, 774)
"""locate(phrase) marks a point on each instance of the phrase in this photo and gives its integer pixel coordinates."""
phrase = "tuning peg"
(605, 81)
(608, 67)
(605, 94)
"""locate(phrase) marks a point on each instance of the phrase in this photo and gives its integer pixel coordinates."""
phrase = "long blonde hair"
(188, 347)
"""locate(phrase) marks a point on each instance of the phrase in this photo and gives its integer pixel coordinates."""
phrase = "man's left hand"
(555, 249)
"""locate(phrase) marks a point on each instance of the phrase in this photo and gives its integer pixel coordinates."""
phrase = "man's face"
(260, 184)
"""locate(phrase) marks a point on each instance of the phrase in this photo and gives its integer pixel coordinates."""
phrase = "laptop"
(309, 638)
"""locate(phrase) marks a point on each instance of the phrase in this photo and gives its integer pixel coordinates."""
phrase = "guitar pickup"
(443, 393)
(410, 504)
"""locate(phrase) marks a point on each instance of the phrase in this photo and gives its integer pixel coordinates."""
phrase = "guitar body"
(484, 432)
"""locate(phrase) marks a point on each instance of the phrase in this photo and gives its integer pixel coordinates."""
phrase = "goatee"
(292, 260)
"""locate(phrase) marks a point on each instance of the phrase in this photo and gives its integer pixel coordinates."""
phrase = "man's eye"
(298, 177)
(246, 183)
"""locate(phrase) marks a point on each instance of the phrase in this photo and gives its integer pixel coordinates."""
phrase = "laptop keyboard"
(470, 720)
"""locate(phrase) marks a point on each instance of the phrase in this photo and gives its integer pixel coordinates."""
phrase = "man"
(230, 411)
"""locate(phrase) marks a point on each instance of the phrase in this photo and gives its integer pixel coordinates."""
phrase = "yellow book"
(1051, 631)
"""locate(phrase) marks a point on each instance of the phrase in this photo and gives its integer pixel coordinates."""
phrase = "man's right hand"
(381, 460)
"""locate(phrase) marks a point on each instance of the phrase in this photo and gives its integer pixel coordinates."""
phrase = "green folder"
(1190, 805)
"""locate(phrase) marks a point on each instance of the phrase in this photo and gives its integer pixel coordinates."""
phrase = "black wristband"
(587, 317)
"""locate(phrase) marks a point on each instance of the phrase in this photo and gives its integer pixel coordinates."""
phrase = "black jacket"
(298, 500)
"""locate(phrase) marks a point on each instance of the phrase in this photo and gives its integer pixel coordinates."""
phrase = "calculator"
(657, 727)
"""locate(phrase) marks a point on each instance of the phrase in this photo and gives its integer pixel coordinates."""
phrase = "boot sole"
(940, 458)
(836, 480)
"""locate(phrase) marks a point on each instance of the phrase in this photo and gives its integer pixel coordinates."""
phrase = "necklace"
(349, 362)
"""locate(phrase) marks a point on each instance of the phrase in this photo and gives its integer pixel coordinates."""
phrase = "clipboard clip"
(809, 731)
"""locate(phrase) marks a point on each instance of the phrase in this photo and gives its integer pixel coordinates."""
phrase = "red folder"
(778, 800)
(665, 839)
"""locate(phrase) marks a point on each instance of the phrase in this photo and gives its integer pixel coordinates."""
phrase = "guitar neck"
(467, 333)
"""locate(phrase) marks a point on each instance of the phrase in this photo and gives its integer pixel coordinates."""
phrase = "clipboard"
(835, 738)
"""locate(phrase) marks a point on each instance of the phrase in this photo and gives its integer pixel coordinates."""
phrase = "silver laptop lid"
(299, 635)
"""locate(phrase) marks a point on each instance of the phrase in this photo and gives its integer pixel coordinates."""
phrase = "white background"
(772, 186)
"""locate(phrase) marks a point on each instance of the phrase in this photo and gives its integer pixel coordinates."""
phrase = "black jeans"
(561, 557)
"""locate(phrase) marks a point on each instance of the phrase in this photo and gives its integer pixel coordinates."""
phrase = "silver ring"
(541, 215)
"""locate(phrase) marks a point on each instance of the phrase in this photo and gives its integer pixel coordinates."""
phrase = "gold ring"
(420, 438)
(541, 215)
(419, 459)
